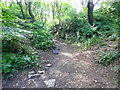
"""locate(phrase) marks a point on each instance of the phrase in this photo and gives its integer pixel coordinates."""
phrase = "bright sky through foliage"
(75, 3)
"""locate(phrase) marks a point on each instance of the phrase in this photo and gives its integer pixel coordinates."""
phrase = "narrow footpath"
(71, 68)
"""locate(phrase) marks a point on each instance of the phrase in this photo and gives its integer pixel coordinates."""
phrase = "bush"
(15, 40)
(88, 43)
(105, 22)
(8, 14)
(76, 28)
(25, 24)
(16, 49)
(107, 57)
(42, 39)
(11, 62)
(10, 43)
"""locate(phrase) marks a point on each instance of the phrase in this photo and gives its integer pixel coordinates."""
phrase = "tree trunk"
(53, 11)
(30, 11)
(41, 14)
(21, 8)
(26, 6)
(90, 12)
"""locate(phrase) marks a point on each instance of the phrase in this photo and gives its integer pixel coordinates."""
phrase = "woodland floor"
(71, 68)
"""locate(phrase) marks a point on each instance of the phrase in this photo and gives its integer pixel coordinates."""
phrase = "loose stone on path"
(33, 75)
(50, 82)
(41, 72)
(32, 72)
(49, 65)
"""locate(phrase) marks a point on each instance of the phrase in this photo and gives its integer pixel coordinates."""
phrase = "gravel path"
(70, 68)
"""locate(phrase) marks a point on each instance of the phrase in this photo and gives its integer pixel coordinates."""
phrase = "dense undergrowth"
(19, 48)
(19, 40)
(22, 36)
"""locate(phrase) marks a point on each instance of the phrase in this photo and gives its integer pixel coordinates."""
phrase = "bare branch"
(96, 2)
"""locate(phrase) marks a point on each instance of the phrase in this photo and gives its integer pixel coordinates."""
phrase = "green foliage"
(88, 43)
(75, 28)
(25, 24)
(14, 40)
(17, 52)
(116, 6)
(11, 62)
(10, 43)
(12, 16)
(42, 39)
(8, 17)
(116, 11)
(107, 57)
(105, 22)
(117, 68)
(71, 26)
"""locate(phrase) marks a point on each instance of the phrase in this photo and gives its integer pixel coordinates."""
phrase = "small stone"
(41, 72)
(50, 82)
(33, 75)
(23, 87)
(76, 85)
(95, 81)
(32, 72)
(49, 65)
(55, 51)
(107, 83)
(76, 71)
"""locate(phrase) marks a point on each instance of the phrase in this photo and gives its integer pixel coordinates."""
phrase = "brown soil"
(71, 68)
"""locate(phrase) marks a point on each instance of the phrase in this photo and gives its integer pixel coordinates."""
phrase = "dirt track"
(70, 68)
